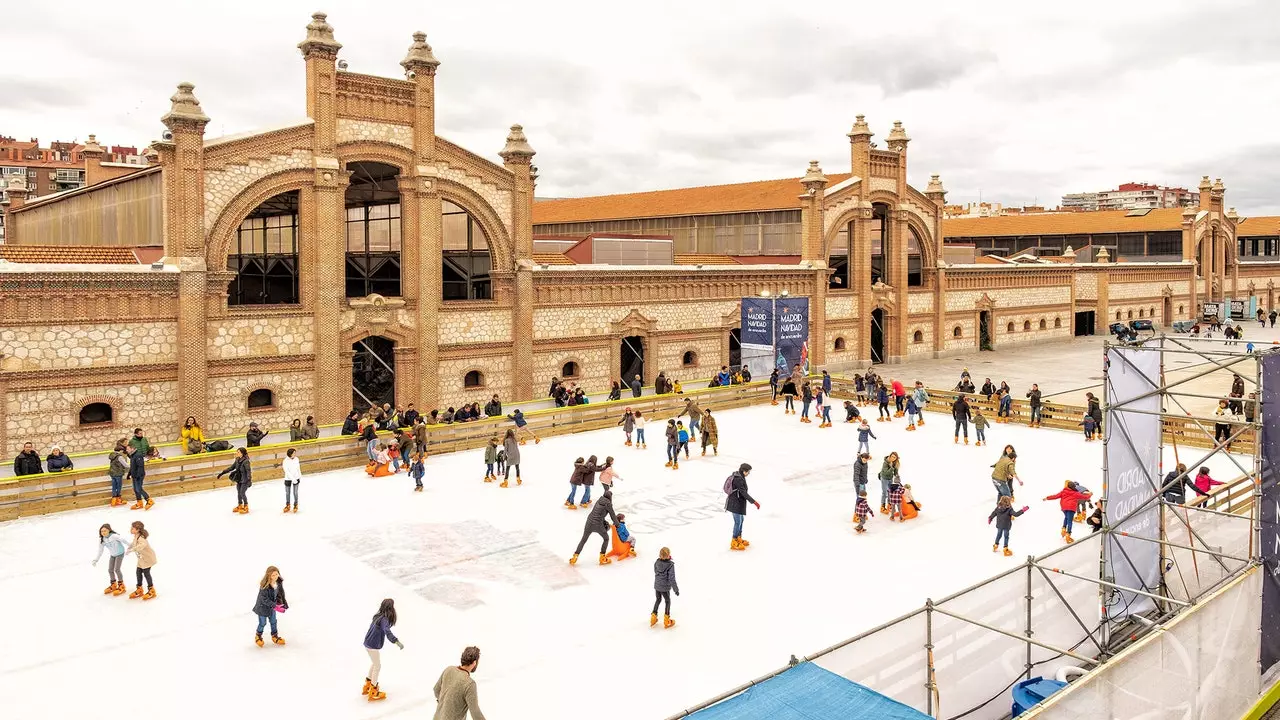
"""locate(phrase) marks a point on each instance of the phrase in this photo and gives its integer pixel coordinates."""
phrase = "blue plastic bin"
(1029, 693)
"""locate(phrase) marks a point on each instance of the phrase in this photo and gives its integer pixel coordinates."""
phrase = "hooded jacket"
(960, 409)
(738, 497)
(27, 463)
(113, 544)
(1004, 470)
(602, 509)
(254, 437)
(240, 470)
(117, 463)
(1004, 517)
(664, 576)
(58, 463)
(1069, 499)
(584, 473)
(860, 471)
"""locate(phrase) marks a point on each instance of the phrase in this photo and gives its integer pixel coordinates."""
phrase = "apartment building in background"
(1131, 196)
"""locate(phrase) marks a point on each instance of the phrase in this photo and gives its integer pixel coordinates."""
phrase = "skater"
(584, 474)
(455, 691)
(1174, 483)
(1089, 424)
(1095, 412)
(1204, 483)
(921, 397)
(710, 433)
(636, 386)
(899, 396)
(824, 407)
(1006, 404)
(1095, 520)
(596, 523)
(1272, 317)
(270, 601)
(490, 458)
(1004, 515)
(141, 548)
(736, 504)
(369, 436)
(960, 413)
(789, 396)
(1004, 473)
(624, 535)
(861, 511)
(253, 438)
(912, 410)
(694, 412)
(1069, 500)
(673, 446)
(851, 413)
(896, 492)
(773, 387)
(608, 474)
(192, 436)
(861, 469)
(418, 469)
(241, 473)
(682, 436)
(1034, 395)
(374, 638)
(110, 541)
(117, 468)
(404, 449)
(859, 390)
(292, 467)
(628, 423)
(137, 474)
(806, 398)
(664, 583)
(888, 475)
(380, 466)
(980, 427)
(640, 443)
(511, 447)
(522, 427)
(882, 396)
(864, 437)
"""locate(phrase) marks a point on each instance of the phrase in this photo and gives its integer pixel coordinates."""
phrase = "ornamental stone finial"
(517, 148)
(935, 186)
(813, 174)
(419, 56)
(18, 184)
(91, 147)
(860, 128)
(1218, 186)
(319, 40)
(184, 107)
(1205, 185)
(897, 139)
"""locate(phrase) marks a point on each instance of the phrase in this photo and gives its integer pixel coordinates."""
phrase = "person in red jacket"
(1069, 500)
(1203, 481)
(899, 396)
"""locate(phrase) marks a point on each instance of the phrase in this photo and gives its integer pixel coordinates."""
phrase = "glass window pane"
(479, 241)
(395, 234)
(355, 237)
(448, 207)
(455, 232)
(379, 235)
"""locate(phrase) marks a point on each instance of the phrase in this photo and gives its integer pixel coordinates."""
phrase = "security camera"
(166, 135)
(411, 75)
(342, 64)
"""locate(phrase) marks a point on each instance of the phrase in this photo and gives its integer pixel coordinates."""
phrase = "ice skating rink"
(470, 563)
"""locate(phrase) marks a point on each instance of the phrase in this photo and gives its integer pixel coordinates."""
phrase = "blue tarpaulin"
(808, 692)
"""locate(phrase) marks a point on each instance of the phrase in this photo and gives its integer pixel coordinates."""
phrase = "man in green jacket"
(140, 443)
(456, 691)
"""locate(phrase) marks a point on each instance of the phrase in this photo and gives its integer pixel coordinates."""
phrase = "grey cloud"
(22, 93)
(1251, 175)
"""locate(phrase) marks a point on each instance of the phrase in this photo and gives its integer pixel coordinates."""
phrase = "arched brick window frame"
(1043, 324)
(82, 403)
(689, 358)
(571, 364)
(473, 379)
(262, 399)
(1057, 323)
(917, 337)
(839, 345)
(957, 332)
(1009, 328)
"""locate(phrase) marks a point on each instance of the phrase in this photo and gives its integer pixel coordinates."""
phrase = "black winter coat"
(960, 410)
(602, 509)
(269, 597)
(1004, 517)
(254, 437)
(860, 470)
(240, 470)
(635, 388)
(664, 576)
(137, 466)
(738, 496)
(1034, 395)
(584, 473)
(350, 427)
(370, 432)
(27, 463)
(1173, 491)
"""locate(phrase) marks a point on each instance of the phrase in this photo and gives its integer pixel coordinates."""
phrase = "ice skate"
(417, 488)
(675, 465)
(627, 443)
(584, 504)
(235, 509)
(119, 589)
(995, 548)
(111, 589)
(114, 502)
(573, 560)
(1079, 517)
(150, 594)
(667, 622)
(137, 593)
(668, 464)
(716, 451)
(919, 422)
(518, 482)
(775, 402)
(295, 505)
(1063, 532)
(743, 542)
(859, 530)
(735, 544)
(604, 559)
(899, 413)
(277, 639)
(977, 443)
(522, 442)
(1068, 538)
(1007, 552)
(570, 506)
(884, 508)
(880, 419)
(537, 440)
(150, 502)
(653, 617)
(911, 428)
(966, 441)
(503, 483)
(257, 640)
(955, 441)
(644, 445)
(136, 506)
(375, 694)
(488, 478)
(368, 684)
(286, 507)
(704, 452)
(244, 509)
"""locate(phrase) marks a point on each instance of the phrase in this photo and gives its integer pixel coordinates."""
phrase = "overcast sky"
(1013, 102)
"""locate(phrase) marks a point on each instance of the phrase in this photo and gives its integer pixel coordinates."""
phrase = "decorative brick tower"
(938, 194)
(517, 156)
(182, 157)
(860, 148)
(896, 257)
(93, 153)
(813, 252)
(325, 213)
(860, 235)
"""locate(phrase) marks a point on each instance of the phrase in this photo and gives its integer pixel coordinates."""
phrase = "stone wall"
(62, 347)
(968, 339)
(495, 370)
(500, 199)
(1086, 285)
(841, 306)
(222, 186)
(925, 346)
(670, 358)
(349, 131)
(919, 303)
(46, 417)
(553, 323)
(965, 300)
(458, 327)
(1126, 291)
(294, 396)
(1057, 327)
(262, 336)
(594, 372)
(847, 357)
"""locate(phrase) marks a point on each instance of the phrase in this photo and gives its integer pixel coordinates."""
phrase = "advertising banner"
(792, 333)
(1237, 309)
(1132, 478)
(1269, 512)
(1210, 311)
(757, 336)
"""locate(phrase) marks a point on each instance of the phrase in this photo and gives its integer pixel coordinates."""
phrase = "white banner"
(1132, 477)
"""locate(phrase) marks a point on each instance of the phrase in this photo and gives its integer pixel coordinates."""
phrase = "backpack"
(217, 446)
(728, 485)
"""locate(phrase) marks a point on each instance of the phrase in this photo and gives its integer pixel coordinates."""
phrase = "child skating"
(864, 437)
(141, 547)
(980, 423)
(1069, 500)
(673, 446)
(490, 459)
(850, 411)
(608, 474)
(374, 638)
(1090, 425)
(270, 601)
(624, 535)
(117, 468)
(882, 397)
(115, 547)
(859, 391)
(896, 492)
(921, 397)
(912, 411)
(664, 583)
(1004, 515)
(419, 468)
(861, 511)
(861, 469)
(640, 442)
(628, 423)
(682, 437)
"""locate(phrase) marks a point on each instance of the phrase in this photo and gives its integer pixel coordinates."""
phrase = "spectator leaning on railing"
(27, 462)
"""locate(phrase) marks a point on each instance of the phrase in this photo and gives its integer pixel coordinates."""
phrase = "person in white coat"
(292, 467)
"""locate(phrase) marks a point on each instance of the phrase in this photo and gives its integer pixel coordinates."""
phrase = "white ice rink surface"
(470, 563)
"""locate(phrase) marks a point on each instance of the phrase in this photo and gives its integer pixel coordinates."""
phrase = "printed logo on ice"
(673, 510)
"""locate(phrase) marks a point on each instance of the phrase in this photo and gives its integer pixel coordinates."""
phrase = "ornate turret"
(813, 179)
(517, 150)
(897, 140)
(419, 58)
(860, 129)
(319, 41)
(184, 109)
(1206, 192)
(92, 150)
(935, 192)
(860, 147)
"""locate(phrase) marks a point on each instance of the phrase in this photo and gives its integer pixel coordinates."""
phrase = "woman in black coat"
(596, 523)
(736, 504)
(1095, 410)
(241, 473)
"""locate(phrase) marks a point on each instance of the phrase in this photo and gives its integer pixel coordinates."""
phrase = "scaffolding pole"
(1019, 638)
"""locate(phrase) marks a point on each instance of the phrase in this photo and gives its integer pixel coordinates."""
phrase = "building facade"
(357, 257)
(1131, 196)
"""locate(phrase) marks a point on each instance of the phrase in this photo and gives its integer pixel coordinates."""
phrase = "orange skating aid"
(618, 549)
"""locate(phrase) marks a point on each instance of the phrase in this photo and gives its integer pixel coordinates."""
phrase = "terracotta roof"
(780, 194)
(552, 259)
(68, 254)
(704, 259)
(1258, 226)
(1066, 223)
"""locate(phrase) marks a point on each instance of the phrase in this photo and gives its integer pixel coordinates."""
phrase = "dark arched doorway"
(632, 354)
(984, 330)
(735, 348)
(877, 335)
(373, 372)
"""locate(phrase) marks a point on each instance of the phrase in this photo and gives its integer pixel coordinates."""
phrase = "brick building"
(359, 257)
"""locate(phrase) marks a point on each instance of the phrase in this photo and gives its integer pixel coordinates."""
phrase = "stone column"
(860, 275)
(940, 313)
(324, 219)
(1102, 318)
(813, 249)
(860, 149)
(517, 156)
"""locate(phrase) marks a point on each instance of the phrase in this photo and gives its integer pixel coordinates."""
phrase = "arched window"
(264, 254)
(473, 379)
(1142, 312)
(915, 277)
(955, 332)
(373, 230)
(1181, 308)
(1009, 328)
(261, 398)
(689, 359)
(917, 337)
(569, 370)
(839, 344)
(1151, 312)
(1043, 324)
(1026, 325)
(96, 414)
(1057, 323)
(881, 242)
(1117, 315)
(466, 256)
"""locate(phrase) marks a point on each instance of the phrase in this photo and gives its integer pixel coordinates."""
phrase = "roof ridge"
(796, 178)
